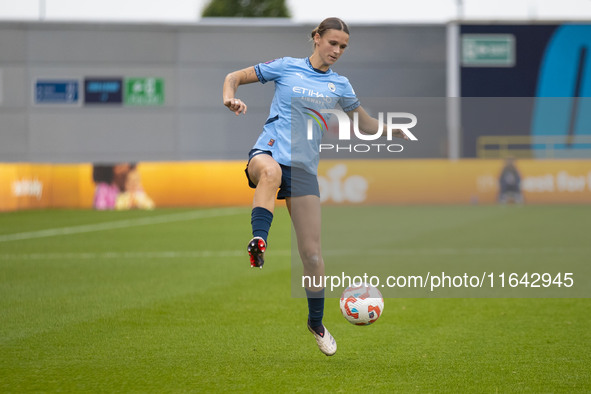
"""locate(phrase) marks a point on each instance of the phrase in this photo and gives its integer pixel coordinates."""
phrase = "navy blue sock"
(316, 310)
(261, 219)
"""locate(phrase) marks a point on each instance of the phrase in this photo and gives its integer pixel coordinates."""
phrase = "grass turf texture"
(173, 306)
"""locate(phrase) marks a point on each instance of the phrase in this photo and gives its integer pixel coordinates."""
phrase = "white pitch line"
(87, 228)
(458, 251)
(280, 252)
(132, 255)
(119, 255)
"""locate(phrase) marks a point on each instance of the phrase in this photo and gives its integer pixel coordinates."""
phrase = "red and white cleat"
(256, 250)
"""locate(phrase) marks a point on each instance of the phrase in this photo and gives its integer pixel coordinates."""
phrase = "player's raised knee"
(271, 175)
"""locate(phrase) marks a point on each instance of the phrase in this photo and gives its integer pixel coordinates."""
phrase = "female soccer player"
(272, 166)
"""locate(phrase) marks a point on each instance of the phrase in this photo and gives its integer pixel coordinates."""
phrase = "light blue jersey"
(300, 90)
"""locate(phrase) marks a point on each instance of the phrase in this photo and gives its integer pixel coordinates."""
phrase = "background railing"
(542, 147)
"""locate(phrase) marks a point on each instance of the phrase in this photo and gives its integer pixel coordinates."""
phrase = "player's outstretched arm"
(231, 83)
(369, 125)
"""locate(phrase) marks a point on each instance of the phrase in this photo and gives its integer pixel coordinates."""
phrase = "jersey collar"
(315, 69)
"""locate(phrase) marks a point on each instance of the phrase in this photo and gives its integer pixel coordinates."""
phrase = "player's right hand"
(235, 105)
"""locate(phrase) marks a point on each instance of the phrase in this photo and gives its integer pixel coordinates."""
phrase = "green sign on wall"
(488, 50)
(144, 91)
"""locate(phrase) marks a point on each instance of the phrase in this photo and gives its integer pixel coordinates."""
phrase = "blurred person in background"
(510, 183)
(119, 187)
(133, 195)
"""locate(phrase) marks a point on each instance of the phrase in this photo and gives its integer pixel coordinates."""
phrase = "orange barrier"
(212, 183)
(218, 183)
(26, 186)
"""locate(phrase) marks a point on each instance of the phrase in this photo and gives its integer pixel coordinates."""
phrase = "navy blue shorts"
(295, 182)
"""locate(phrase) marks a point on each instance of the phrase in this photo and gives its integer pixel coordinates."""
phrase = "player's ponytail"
(328, 24)
(313, 34)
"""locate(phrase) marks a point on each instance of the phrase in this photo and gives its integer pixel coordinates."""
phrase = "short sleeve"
(348, 100)
(270, 71)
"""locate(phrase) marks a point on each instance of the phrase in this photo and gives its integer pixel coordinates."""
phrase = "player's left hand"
(236, 105)
(398, 133)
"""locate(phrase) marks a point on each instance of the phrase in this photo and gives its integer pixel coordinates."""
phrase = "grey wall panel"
(135, 135)
(13, 45)
(14, 79)
(398, 45)
(391, 81)
(243, 45)
(13, 135)
(89, 46)
(201, 87)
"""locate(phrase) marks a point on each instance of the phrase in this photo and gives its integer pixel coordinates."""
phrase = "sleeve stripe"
(257, 69)
(352, 106)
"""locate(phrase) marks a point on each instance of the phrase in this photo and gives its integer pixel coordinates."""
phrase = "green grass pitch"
(165, 301)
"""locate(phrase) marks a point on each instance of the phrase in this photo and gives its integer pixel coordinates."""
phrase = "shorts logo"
(331, 87)
(270, 61)
(271, 142)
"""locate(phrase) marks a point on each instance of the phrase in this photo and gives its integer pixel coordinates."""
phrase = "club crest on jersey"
(331, 87)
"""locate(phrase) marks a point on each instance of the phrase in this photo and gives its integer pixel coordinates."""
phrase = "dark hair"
(102, 173)
(328, 24)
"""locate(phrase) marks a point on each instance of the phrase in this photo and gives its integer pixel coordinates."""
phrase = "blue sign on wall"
(56, 91)
(103, 90)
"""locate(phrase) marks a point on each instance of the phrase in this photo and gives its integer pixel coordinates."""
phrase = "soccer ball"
(362, 305)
